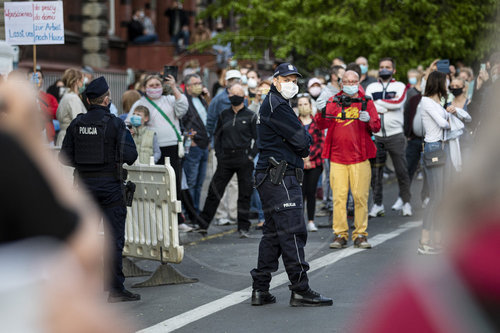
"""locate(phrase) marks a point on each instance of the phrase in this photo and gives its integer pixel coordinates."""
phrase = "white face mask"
(289, 89)
(252, 83)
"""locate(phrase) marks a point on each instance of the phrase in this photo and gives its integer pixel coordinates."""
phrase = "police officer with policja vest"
(282, 142)
(97, 144)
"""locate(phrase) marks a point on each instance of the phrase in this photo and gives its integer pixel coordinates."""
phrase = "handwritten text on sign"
(29, 23)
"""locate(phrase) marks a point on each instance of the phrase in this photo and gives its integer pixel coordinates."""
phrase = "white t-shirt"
(434, 119)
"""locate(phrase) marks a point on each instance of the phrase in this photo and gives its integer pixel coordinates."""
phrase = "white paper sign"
(34, 23)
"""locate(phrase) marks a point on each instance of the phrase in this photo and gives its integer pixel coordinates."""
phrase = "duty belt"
(276, 171)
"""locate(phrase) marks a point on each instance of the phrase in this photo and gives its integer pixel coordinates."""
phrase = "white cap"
(233, 74)
(313, 81)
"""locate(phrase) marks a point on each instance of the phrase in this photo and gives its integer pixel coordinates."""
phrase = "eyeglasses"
(303, 95)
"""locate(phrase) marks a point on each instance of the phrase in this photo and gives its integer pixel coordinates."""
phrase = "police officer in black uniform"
(282, 142)
(97, 144)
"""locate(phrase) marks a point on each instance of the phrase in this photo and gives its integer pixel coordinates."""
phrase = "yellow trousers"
(357, 177)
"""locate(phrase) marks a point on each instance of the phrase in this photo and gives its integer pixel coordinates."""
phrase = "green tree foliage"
(314, 31)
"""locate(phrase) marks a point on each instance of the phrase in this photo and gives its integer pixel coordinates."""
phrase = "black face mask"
(457, 92)
(236, 100)
(385, 74)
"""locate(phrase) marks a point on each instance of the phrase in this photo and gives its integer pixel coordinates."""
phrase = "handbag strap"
(179, 138)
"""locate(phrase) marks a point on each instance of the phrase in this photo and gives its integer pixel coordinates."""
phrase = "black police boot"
(122, 296)
(309, 298)
(262, 297)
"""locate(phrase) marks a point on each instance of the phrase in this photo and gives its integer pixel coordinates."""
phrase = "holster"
(277, 170)
(128, 193)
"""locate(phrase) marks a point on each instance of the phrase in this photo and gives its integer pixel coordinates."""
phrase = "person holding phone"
(165, 115)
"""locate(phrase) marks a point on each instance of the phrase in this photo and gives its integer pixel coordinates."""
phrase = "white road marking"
(237, 297)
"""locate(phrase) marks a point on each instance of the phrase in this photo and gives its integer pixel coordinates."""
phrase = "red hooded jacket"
(349, 141)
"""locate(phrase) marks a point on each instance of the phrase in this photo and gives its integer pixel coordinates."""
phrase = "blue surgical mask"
(263, 97)
(136, 120)
(233, 63)
(350, 90)
(412, 81)
(364, 69)
(244, 79)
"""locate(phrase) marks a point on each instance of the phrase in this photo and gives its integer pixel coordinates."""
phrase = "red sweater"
(349, 141)
(48, 105)
(316, 147)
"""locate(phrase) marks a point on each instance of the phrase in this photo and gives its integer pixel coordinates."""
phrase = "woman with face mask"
(313, 166)
(71, 105)
(164, 119)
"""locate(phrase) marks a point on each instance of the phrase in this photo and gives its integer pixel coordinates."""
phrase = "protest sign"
(34, 23)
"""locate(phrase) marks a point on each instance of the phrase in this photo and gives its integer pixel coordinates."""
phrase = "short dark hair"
(335, 69)
(388, 59)
(436, 84)
(253, 70)
(354, 67)
(99, 100)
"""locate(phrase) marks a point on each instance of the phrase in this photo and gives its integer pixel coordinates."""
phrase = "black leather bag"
(435, 158)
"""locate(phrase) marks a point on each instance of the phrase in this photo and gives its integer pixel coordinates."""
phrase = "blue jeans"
(195, 167)
(146, 39)
(255, 203)
(184, 35)
(436, 182)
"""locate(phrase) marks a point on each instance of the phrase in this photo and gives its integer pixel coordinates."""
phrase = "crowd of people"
(435, 112)
(338, 140)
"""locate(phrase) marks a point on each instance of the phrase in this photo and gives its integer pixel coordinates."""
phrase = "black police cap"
(97, 88)
(286, 69)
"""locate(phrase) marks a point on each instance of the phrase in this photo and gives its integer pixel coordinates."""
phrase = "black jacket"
(181, 15)
(280, 133)
(236, 133)
(119, 145)
(193, 120)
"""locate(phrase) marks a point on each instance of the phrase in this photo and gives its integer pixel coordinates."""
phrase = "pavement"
(220, 301)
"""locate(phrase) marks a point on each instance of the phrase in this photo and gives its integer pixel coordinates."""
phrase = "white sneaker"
(223, 221)
(311, 227)
(407, 209)
(184, 228)
(377, 211)
(425, 202)
(398, 205)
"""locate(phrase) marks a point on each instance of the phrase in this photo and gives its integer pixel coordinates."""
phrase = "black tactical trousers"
(284, 233)
(226, 168)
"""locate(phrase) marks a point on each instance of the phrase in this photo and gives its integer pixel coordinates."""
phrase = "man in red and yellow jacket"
(349, 147)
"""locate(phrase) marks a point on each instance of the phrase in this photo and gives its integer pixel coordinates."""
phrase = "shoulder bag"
(180, 141)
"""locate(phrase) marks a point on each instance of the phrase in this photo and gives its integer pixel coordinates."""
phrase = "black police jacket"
(97, 142)
(280, 133)
(236, 133)
(193, 120)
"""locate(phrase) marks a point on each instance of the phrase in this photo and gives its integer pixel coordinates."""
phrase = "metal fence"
(117, 84)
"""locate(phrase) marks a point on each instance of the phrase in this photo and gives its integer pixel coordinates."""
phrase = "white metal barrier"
(151, 228)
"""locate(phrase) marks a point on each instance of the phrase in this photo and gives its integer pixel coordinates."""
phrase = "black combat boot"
(122, 296)
(262, 297)
(309, 298)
